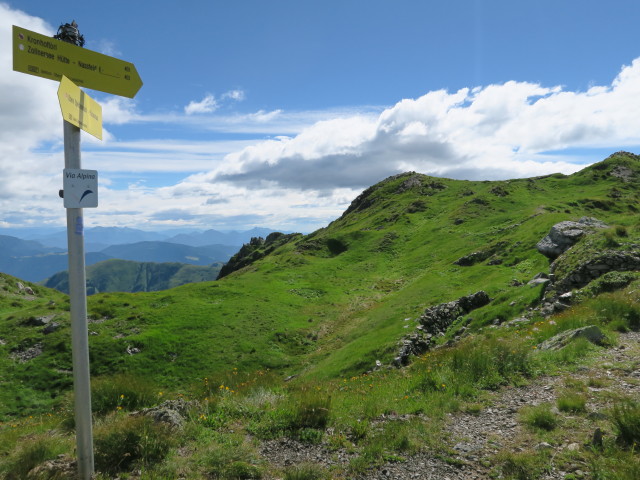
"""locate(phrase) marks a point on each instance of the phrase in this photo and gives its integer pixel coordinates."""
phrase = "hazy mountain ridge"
(163, 252)
(37, 260)
(97, 238)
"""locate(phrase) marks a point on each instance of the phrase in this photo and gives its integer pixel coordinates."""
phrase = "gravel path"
(476, 438)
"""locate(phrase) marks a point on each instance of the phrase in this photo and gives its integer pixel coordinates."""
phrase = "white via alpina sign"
(80, 188)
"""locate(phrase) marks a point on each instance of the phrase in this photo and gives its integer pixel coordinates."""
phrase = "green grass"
(324, 308)
(626, 420)
(331, 303)
(381, 417)
(572, 402)
(539, 417)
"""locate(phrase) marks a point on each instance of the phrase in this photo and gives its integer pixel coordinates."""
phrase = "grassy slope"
(328, 304)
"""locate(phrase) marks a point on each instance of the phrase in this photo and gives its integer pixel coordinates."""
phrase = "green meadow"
(320, 310)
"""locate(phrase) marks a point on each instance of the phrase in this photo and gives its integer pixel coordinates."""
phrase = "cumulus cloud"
(207, 105)
(292, 170)
(30, 118)
(493, 132)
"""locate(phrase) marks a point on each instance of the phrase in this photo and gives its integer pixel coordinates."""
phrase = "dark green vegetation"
(325, 307)
(129, 276)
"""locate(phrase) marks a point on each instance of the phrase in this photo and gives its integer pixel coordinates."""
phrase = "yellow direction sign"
(79, 108)
(47, 57)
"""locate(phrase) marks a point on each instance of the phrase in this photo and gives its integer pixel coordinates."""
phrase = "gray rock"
(591, 333)
(434, 322)
(564, 235)
(171, 412)
(52, 327)
(516, 322)
(38, 321)
(25, 354)
(23, 288)
(132, 350)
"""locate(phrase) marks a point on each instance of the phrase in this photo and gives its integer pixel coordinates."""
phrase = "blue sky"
(277, 114)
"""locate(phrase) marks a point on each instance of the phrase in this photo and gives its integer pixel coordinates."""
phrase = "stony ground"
(475, 439)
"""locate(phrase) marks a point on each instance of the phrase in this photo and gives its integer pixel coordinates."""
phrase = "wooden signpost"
(72, 65)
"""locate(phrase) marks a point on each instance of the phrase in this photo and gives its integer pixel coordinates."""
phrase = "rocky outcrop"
(564, 235)
(591, 333)
(576, 269)
(592, 268)
(482, 255)
(24, 354)
(253, 251)
(434, 322)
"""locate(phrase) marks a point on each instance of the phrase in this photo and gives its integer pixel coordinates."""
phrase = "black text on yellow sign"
(46, 57)
(79, 108)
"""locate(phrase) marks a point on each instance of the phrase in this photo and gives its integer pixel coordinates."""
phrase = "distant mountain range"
(32, 261)
(212, 237)
(41, 254)
(99, 238)
(171, 252)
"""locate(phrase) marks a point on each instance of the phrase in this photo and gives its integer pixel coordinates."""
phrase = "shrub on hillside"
(310, 409)
(626, 420)
(33, 451)
(121, 392)
(124, 441)
(539, 417)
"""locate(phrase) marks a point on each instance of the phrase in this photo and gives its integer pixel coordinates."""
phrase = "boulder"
(591, 333)
(564, 235)
(170, 412)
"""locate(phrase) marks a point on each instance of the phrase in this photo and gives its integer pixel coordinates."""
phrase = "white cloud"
(292, 169)
(118, 110)
(494, 132)
(237, 95)
(106, 47)
(207, 105)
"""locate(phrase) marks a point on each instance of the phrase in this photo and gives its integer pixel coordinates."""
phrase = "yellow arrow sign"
(47, 57)
(79, 108)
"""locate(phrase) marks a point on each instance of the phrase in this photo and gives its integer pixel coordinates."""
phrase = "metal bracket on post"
(79, 326)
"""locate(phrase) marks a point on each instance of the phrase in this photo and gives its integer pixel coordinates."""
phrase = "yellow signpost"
(79, 108)
(46, 57)
(73, 66)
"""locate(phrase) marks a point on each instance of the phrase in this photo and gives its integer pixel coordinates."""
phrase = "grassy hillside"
(128, 276)
(489, 402)
(329, 304)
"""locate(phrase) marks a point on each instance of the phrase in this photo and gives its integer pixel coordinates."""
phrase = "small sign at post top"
(79, 108)
(80, 188)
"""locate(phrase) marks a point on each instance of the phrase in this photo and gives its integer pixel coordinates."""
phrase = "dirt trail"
(474, 439)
